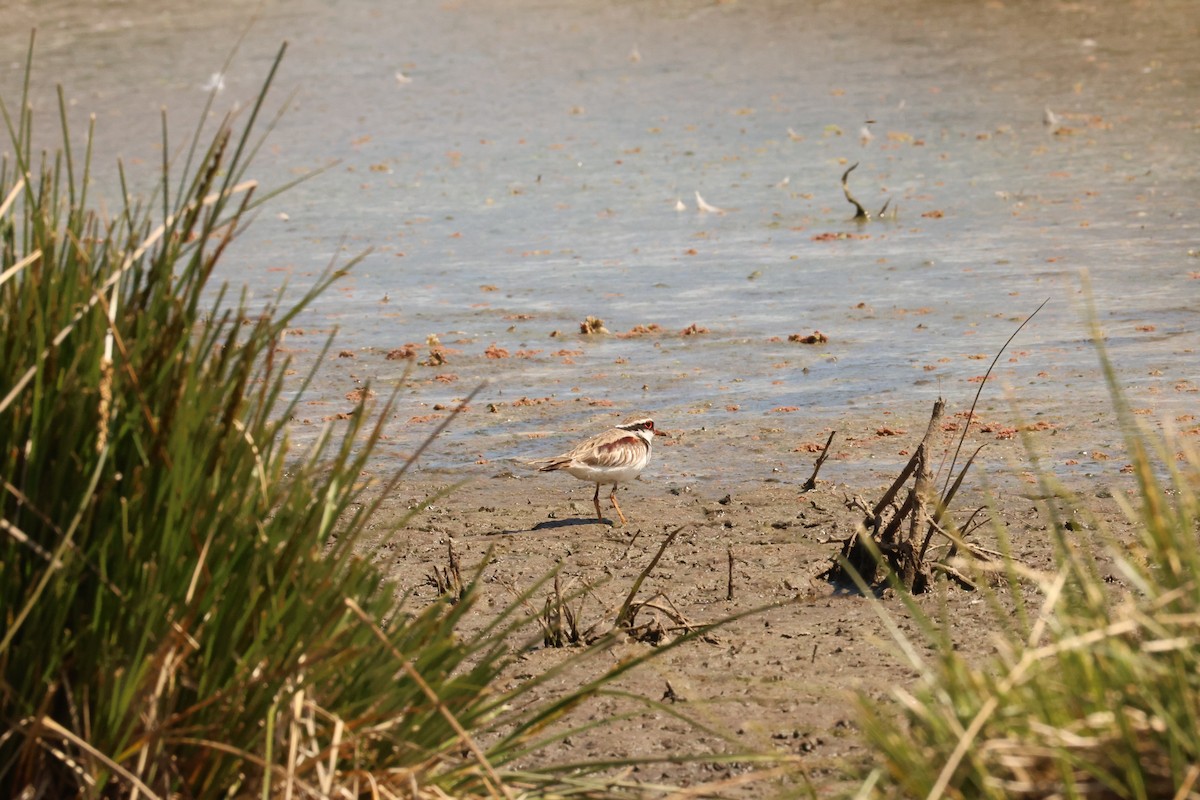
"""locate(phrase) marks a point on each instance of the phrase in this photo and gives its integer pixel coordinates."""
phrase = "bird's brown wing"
(617, 452)
(614, 448)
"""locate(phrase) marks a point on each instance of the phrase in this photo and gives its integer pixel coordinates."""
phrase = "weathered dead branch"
(923, 514)
(900, 544)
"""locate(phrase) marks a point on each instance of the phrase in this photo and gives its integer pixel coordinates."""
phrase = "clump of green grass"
(1095, 688)
(182, 612)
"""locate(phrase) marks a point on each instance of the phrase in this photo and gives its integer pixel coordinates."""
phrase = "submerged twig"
(861, 214)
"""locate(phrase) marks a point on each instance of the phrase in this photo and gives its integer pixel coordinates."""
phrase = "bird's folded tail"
(549, 464)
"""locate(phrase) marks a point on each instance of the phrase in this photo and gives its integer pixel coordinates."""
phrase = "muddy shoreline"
(779, 681)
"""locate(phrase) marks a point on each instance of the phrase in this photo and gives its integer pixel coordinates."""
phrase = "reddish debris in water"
(530, 401)
(641, 330)
(437, 357)
(401, 353)
(816, 337)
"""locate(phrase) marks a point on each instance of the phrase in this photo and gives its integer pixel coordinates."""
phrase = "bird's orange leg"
(613, 498)
(596, 500)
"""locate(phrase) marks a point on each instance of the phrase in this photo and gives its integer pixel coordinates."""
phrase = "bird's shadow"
(552, 524)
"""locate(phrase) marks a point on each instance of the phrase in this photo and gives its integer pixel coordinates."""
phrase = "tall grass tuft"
(1094, 691)
(182, 613)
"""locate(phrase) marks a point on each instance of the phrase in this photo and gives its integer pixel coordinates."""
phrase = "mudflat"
(780, 680)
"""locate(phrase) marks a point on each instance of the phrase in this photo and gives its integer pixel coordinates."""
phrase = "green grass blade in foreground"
(190, 588)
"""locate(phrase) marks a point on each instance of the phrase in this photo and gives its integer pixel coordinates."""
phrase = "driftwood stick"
(811, 483)
(889, 533)
(890, 494)
(923, 484)
(935, 418)
(911, 564)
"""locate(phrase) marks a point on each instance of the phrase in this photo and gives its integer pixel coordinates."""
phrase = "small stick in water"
(861, 214)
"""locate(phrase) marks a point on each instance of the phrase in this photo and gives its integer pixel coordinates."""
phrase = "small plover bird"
(616, 456)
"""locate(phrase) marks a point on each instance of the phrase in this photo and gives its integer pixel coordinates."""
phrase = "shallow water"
(516, 167)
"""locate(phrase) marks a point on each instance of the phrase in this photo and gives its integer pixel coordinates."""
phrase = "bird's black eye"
(648, 425)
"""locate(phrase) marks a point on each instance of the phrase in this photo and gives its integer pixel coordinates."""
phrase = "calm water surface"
(517, 166)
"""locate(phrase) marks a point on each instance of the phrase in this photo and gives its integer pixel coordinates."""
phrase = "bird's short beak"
(658, 432)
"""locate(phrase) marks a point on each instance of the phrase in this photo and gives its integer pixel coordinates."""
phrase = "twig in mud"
(682, 623)
(653, 632)
(957, 541)
(890, 494)
(950, 571)
(448, 579)
(559, 624)
(912, 564)
(860, 504)
(729, 580)
(624, 617)
(625, 554)
(970, 526)
(811, 483)
(861, 214)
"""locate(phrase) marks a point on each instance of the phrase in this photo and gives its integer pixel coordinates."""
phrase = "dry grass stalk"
(495, 785)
